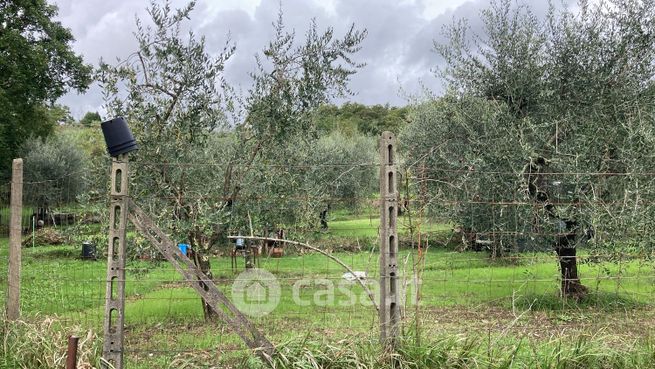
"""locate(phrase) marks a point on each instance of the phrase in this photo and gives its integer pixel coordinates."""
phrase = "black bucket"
(88, 251)
(118, 137)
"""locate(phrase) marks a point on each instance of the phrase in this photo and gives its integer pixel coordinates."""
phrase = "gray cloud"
(398, 51)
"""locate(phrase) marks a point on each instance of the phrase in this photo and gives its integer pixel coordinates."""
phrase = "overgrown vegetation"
(42, 343)
(466, 352)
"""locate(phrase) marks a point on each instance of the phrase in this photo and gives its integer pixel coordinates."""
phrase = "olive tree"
(344, 170)
(54, 171)
(293, 78)
(203, 147)
(546, 127)
(296, 185)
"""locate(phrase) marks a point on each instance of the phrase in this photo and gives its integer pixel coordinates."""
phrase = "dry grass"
(42, 343)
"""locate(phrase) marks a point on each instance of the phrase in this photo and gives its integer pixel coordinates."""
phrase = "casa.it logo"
(256, 292)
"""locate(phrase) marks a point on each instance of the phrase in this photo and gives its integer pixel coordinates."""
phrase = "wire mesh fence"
(473, 260)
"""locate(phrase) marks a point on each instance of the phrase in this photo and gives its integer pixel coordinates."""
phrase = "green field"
(4, 218)
(461, 293)
(368, 227)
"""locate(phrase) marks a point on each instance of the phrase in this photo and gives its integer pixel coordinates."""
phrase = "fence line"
(445, 284)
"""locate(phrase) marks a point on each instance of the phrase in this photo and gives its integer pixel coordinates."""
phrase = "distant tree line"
(352, 117)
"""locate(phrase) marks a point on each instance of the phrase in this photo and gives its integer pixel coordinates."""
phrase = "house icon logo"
(256, 292)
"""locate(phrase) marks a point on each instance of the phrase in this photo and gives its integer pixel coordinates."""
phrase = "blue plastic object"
(184, 248)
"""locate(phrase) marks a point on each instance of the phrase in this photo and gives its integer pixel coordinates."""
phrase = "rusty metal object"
(71, 354)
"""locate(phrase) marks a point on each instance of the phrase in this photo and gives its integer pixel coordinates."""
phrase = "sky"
(398, 52)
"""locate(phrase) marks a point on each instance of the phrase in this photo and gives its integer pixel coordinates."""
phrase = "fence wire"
(474, 259)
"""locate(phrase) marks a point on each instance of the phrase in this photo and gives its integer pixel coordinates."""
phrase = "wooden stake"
(13, 293)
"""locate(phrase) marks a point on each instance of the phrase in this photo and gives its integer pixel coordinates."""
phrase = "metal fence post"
(13, 293)
(71, 354)
(389, 299)
(112, 350)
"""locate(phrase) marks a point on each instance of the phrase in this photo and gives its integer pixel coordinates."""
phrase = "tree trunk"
(565, 241)
(202, 262)
(566, 253)
(323, 218)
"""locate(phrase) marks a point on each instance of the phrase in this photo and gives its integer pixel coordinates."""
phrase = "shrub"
(54, 171)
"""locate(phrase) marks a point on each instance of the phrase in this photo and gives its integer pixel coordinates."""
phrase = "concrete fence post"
(112, 350)
(389, 293)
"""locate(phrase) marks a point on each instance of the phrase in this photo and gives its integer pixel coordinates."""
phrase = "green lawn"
(4, 218)
(164, 314)
(368, 227)
(54, 274)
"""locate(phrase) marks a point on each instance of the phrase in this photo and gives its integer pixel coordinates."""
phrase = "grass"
(26, 218)
(25, 345)
(467, 352)
(512, 304)
(368, 227)
(42, 344)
